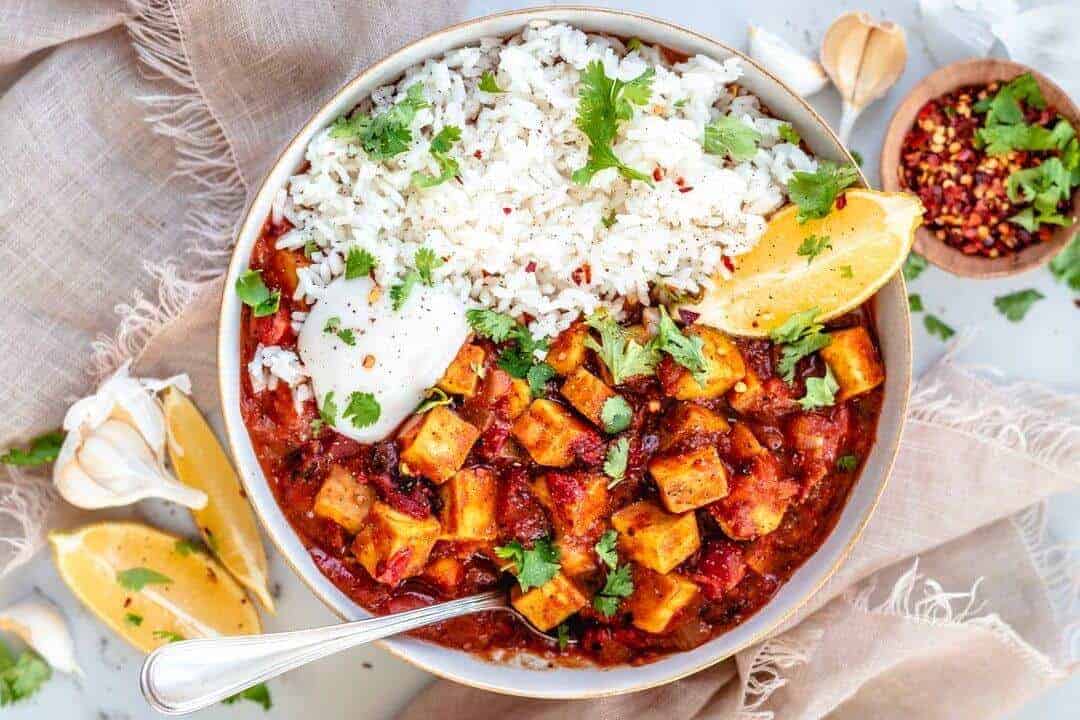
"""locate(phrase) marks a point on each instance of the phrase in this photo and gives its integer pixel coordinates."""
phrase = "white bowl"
(893, 322)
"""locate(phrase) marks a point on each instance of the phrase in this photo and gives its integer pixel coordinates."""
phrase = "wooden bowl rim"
(976, 71)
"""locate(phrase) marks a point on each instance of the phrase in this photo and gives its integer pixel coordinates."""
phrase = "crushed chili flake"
(531, 267)
(728, 262)
(961, 187)
(582, 274)
(686, 189)
(658, 173)
(841, 201)
(478, 155)
(507, 211)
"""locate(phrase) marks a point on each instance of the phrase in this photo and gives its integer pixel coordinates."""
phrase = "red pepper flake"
(680, 181)
(507, 211)
(582, 274)
(478, 155)
(531, 267)
(688, 316)
(658, 173)
(841, 202)
(686, 189)
(728, 263)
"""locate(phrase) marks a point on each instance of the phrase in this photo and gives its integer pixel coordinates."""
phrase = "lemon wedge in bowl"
(227, 523)
(834, 264)
(151, 587)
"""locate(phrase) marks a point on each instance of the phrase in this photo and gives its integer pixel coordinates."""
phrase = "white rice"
(273, 364)
(515, 227)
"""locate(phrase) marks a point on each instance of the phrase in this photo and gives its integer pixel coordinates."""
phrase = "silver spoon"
(186, 676)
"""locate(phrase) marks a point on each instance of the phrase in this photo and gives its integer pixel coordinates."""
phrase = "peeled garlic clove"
(864, 58)
(1045, 38)
(112, 465)
(43, 628)
(800, 73)
(959, 29)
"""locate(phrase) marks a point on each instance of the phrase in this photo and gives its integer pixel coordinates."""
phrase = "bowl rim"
(250, 222)
(974, 71)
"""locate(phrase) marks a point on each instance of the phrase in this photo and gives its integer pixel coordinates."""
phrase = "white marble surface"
(369, 683)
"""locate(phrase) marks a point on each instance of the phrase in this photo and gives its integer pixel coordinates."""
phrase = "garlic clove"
(802, 74)
(41, 626)
(864, 58)
(959, 29)
(1045, 38)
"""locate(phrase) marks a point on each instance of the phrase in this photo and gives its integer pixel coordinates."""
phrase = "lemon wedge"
(151, 587)
(227, 523)
(861, 246)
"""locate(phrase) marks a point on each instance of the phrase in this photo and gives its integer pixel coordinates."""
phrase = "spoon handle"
(183, 677)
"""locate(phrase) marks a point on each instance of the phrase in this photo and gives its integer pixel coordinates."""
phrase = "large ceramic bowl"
(518, 678)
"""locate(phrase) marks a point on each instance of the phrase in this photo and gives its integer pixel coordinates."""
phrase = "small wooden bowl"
(945, 80)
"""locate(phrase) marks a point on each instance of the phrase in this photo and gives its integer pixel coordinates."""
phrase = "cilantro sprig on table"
(534, 566)
(519, 357)
(799, 336)
(258, 694)
(1015, 306)
(425, 261)
(816, 192)
(603, 103)
(387, 134)
(253, 292)
(1066, 265)
(43, 449)
(914, 265)
(21, 677)
(732, 138)
(440, 150)
(937, 327)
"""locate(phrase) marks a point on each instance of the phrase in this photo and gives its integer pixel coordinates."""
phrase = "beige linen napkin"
(131, 135)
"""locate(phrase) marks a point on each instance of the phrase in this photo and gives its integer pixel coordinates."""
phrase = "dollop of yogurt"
(353, 341)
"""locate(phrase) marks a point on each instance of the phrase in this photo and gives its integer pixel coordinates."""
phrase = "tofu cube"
(690, 480)
(567, 352)
(655, 538)
(659, 598)
(576, 554)
(549, 432)
(518, 398)
(463, 375)
(723, 363)
(445, 572)
(469, 500)
(587, 393)
(393, 546)
(689, 420)
(746, 398)
(439, 445)
(757, 502)
(575, 501)
(345, 500)
(551, 603)
(854, 361)
(744, 443)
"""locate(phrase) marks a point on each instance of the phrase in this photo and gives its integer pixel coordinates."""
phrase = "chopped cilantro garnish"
(538, 376)
(914, 264)
(609, 219)
(347, 336)
(399, 292)
(440, 149)
(564, 636)
(616, 414)
(847, 463)
(425, 261)
(253, 292)
(732, 137)
(43, 449)
(363, 409)
(789, 134)
(495, 326)
(258, 694)
(606, 548)
(168, 635)
(358, 263)
(1066, 265)
(816, 192)
(1045, 186)
(935, 326)
(184, 547)
(633, 44)
(1015, 306)
(681, 103)
(1004, 108)
(617, 586)
(686, 350)
(435, 398)
(333, 324)
(20, 678)
(133, 619)
(857, 157)
(488, 84)
(800, 335)
(387, 134)
(603, 103)
(310, 248)
(535, 566)
(812, 246)
(1001, 139)
(623, 356)
(618, 456)
(915, 302)
(820, 391)
(517, 359)
(329, 410)
(135, 579)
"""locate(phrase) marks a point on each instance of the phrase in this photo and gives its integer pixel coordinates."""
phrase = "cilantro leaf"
(935, 326)
(1026, 219)
(488, 84)
(1066, 265)
(618, 585)
(616, 414)
(1001, 139)
(358, 263)
(363, 409)
(603, 103)
(816, 192)
(1004, 107)
(1045, 186)
(857, 157)
(133, 619)
(847, 463)
(1015, 306)
(518, 359)
(495, 326)
(535, 566)
(399, 292)
(606, 548)
(564, 636)
(21, 678)
(387, 134)
(43, 449)
(732, 137)
(426, 262)
(799, 336)
(812, 246)
(538, 375)
(333, 324)
(310, 248)
(435, 398)
(347, 336)
(618, 456)
(253, 292)
(135, 579)
(168, 636)
(184, 547)
(686, 350)
(789, 134)
(258, 694)
(448, 166)
(915, 302)
(797, 325)
(914, 264)
(820, 392)
(329, 410)
(623, 356)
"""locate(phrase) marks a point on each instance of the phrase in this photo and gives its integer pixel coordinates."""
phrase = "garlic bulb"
(43, 628)
(864, 58)
(959, 29)
(114, 452)
(802, 74)
(1045, 38)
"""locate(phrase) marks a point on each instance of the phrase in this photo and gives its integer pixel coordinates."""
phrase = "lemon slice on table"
(227, 523)
(151, 587)
(859, 248)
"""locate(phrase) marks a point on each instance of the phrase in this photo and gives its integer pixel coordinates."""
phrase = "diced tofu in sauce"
(463, 375)
(343, 499)
(658, 598)
(757, 502)
(567, 351)
(393, 546)
(854, 361)
(551, 603)
(689, 420)
(438, 446)
(655, 538)
(723, 362)
(469, 501)
(549, 432)
(575, 501)
(691, 479)
(587, 393)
